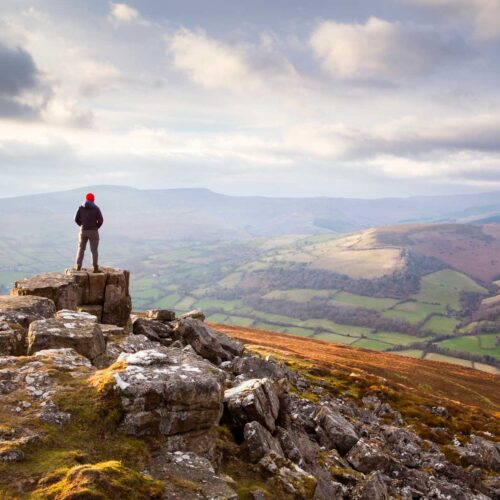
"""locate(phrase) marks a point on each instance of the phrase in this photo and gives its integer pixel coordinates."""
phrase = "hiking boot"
(96, 269)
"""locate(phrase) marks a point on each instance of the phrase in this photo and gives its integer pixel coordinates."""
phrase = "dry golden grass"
(440, 381)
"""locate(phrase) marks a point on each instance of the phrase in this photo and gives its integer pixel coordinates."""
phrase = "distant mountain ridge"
(202, 213)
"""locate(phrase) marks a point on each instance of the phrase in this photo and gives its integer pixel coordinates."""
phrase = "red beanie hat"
(90, 197)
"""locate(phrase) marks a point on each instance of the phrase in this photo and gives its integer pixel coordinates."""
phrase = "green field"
(379, 304)
(444, 287)
(239, 320)
(300, 295)
(440, 324)
(300, 332)
(374, 345)
(261, 325)
(411, 353)
(395, 338)
(335, 339)
(353, 331)
(432, 356)
(414, 312)
(482, 345)
(489, 340)
(185, 304)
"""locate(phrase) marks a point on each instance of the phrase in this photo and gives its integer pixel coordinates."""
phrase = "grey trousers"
(93, 237)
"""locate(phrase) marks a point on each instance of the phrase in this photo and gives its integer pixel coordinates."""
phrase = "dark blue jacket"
(89, 216)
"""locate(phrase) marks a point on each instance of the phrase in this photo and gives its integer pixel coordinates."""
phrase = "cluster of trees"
(399, 285)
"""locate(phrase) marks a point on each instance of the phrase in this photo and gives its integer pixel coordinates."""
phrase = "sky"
(270, 97)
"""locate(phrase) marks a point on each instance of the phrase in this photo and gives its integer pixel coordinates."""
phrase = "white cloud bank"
(380, 50)
(215, 64)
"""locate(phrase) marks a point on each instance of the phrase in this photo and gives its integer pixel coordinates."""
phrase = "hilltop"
(156, 405)
(203, 214)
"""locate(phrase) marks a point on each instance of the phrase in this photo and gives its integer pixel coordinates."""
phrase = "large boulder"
(288, 477)
(27, 308)
(172, 392)
(334, 430)
(117, 302)
(10, 340)
(85, 337)
(68, 315)
(161, 314)
(153, 330)
(104, 295)
(16, 314)
(22, 310)
(194, 314)
(61, 289)
(369, 455)
(254, 399)
(260, 441)
(129, 344)
(29, 384)
(207, 342)
(481, 452)
(372, 488)
(256, 367)
(198, 479)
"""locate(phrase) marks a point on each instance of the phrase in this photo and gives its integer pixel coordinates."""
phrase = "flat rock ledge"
(104, 295)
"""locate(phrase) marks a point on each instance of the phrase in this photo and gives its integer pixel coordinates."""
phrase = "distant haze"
(203, 214)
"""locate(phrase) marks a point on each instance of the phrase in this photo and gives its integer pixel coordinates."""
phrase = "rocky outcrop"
(161, 315)
(194, 470)
(24, 310)
(246, 367)
(199, 417)
(206, 342)
(16, 314)
(334, 431)
(84, 336)
(289, 476)
(369, 455)
(153, 330)
(254, 399)
(105, 295)
(168, 393)
(61, 289)
(481, 452)
(260, 441)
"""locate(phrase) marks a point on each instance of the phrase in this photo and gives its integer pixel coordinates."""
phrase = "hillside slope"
(427, 378)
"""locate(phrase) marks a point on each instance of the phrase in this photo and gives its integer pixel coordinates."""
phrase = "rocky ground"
(166, 407)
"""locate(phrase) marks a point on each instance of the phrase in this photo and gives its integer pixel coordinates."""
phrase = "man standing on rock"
(89, 218)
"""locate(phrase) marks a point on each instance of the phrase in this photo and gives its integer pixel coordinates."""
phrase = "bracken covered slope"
(430, 378)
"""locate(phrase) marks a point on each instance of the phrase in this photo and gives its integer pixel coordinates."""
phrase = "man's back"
(89, 216)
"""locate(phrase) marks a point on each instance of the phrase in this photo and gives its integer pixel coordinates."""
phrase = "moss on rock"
(104, 480)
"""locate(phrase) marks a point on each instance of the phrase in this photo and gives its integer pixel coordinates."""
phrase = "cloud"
(483, 15)
(214, 64)
(381, 51)
(97, 76)
(123, 13)
(410, 138)
(18, 77)
(209, 62)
